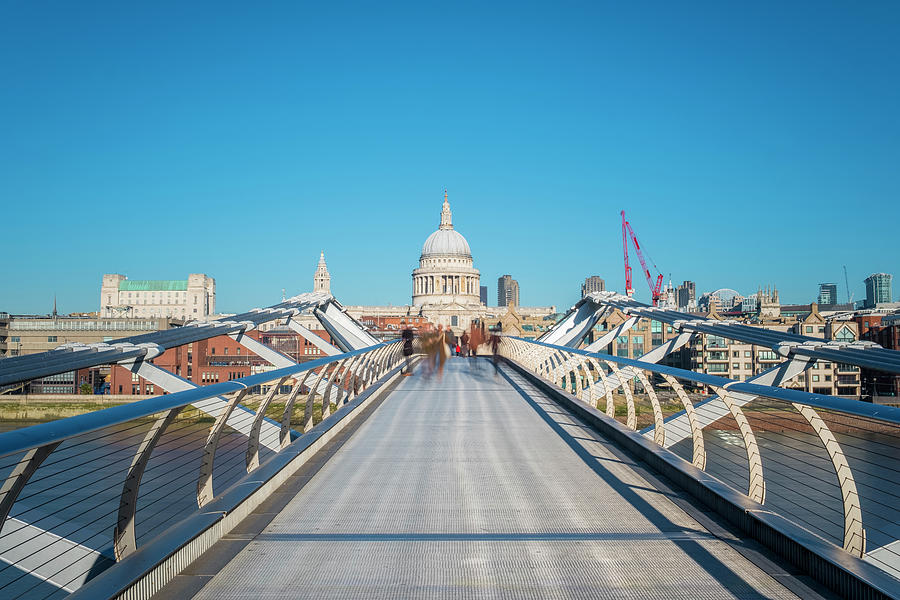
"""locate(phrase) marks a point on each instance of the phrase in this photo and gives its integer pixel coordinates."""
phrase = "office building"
(592, 284)
(507, 291)
(482, 294)
(878, 289)
(827, 294)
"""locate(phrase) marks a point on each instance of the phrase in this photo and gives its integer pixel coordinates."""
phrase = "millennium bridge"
(556, 470)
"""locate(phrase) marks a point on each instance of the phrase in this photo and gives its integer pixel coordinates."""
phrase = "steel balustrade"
(787, 345)
(807, 405)
(32, 447)
(348, 334)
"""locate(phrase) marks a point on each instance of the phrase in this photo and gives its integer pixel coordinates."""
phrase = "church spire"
(446, 216)
(322, 279)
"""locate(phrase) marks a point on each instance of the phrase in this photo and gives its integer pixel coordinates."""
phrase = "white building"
(446, 286)
(191, 298)
(446, 274)
(322, 279)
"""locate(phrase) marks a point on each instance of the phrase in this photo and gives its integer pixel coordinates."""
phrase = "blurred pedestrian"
(407, 336)
(495, 350)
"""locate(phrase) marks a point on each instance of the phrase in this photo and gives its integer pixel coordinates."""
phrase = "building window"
(714, 341)
(748, 366)
(809, 329)
(655, 327)
(735, 354)
(736, 365)
(815, 378)
(845, 335)
(746, 354)
(15, 338)
(51, 338)
(135, 377)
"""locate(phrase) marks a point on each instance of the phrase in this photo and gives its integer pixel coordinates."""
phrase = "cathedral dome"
(446, 241)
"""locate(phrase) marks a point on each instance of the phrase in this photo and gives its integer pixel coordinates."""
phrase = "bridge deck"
(464, 488)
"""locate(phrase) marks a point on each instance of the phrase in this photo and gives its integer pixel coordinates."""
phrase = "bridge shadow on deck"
(689, 543)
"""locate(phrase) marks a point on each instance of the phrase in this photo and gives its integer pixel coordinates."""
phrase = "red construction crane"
(654, 288)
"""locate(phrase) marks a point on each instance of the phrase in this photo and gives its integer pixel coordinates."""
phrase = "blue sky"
(749, 143)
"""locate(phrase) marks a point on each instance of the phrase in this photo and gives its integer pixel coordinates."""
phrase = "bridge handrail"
(582, 373)
(20, 440)
(868, 354)
(887, 414)
(89, 473)
(78, 356)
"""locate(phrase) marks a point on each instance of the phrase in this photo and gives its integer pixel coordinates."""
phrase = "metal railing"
(827, 464)
(85, 493)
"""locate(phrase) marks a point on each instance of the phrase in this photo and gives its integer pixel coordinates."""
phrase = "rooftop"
(146, 285)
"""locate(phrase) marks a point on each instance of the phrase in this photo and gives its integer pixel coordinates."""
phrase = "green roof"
(146, 285)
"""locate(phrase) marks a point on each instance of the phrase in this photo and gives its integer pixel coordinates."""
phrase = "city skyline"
(245, 151)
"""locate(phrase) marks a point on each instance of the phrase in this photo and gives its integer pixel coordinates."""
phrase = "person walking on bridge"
(407, 336)
(495, 348)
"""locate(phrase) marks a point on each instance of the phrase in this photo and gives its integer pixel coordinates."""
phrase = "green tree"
(85, 389)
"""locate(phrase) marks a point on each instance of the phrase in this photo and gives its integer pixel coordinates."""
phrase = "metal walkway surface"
(465, 488)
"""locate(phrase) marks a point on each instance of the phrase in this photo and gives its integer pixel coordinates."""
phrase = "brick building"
(217, 359)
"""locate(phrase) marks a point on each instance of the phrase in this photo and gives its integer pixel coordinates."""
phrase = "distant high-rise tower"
(507, 291)
(592, 284)
(482, 293)
(322, 280)
(827, 294)
(878, 289)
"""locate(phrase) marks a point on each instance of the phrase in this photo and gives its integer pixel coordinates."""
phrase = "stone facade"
(322, 279)
(446, 273)
(446, 289)
(191, 298)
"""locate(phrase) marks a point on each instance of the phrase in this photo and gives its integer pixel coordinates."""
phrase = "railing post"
(659, 428)
(20, 475)
(205, 481)
(854, 540)
(284, 435)
(698, 456)
(631, 421)
(326, 395)
(252, 458)
(124, 537)
(756, 489)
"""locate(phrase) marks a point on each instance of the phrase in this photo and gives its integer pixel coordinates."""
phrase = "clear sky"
(749, 143)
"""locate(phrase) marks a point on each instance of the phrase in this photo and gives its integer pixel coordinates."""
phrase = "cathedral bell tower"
(322, 280)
